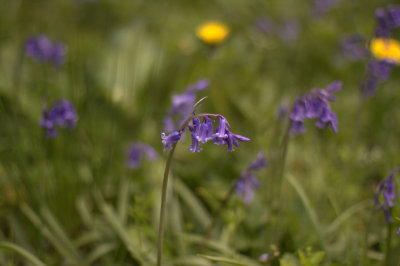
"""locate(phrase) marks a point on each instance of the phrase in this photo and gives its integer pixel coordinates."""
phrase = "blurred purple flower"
(398, 231)
(265, 25)
(323, 6)
(386, 190)
(315, 104)
(289, 30)
(248, 182)
(377, 71)
(387, 20)
(263, 257)
(182, 105)
(259, 163)
(354, 47)
(41, 49)
(135, 154)
(282, 111)
(62, 114)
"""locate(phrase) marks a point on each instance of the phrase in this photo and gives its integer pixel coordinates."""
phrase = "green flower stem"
(388, 242)
(163, 205)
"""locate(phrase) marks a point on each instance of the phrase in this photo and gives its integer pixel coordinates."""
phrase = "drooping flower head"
(282, 112)
(315, 104)
(61, 114)
(385, 194)
(248, 182)
(182, 105)
(204, 132)
(387, 20)
(377, 72)
(43, 50)
(136, 152)
(212, 32)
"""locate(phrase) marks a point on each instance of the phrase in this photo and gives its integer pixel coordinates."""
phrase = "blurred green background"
(72, 200)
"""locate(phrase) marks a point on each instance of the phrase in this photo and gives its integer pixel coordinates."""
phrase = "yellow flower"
(212, 32)
(386, 49)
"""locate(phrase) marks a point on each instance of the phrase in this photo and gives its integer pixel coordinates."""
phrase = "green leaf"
(228, 260)
(23, 252)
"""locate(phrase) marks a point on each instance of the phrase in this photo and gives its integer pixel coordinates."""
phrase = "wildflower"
(323, 6)
(171, 139)
(203, 132)
(386, 49)
(282, 111)
(315, 104)
(386, 189)
(263, 257)
(398, 231)
(265, 25)
(354, 47)
(212, 32)
(182, 104)
(289, 30)
(62, 114)
(41, 49)
(135, 154)
(248, 182)
(387, 20)
(376, 73)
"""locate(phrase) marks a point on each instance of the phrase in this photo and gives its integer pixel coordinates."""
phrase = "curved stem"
(163, 206)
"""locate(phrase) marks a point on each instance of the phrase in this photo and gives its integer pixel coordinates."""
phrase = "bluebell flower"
(377, 71)
(136, 152)
(398, 231)
(169, 140)
(386, 191)
(182, 105)
(203, 132)
(62, 114)
(282, 112)
(43, 50)
(387, 20)
(323, 6)
(354, 47)
(248, 182)
(315, 104)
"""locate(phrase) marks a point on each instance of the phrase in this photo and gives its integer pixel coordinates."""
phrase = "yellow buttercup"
(386, 49)
(212, 32)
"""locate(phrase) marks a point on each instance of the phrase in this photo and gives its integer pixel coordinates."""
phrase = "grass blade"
(23, 252)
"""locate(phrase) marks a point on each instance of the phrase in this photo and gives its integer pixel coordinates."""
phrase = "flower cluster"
(136, 152)
(248, 182)
(43, 50)
(62, 114)
(182, 105)
(386, 189)
(315, 104)
(387, 20)
(204, 132)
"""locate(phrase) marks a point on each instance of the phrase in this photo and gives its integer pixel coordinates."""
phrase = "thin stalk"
(365, 248)
(388, 243)
(285, 145)
(163, 206)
